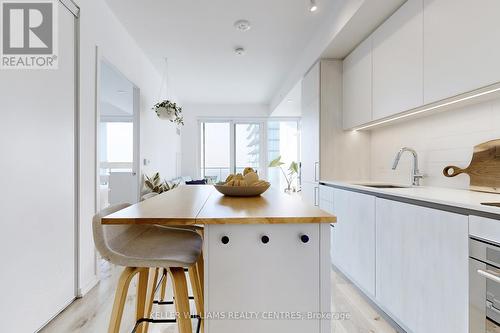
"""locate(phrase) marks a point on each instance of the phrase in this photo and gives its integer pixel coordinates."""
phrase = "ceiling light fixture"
(242, 25)
(239, 51)
(313, 6)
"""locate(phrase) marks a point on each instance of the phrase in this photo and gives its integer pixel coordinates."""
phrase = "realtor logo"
(29, 35)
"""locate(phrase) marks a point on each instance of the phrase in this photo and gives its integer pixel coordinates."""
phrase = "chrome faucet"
(415, 173)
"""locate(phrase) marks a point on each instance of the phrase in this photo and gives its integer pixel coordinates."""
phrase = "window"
(117, 146)
(215, 150)
(247, 146)
(229, 147)
(282, 140)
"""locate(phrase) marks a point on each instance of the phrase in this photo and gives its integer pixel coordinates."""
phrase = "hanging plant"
(170, 111)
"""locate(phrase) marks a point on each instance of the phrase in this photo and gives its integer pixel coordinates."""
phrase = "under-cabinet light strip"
(426, 109)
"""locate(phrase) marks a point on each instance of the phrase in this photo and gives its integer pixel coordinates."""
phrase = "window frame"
(263, 151)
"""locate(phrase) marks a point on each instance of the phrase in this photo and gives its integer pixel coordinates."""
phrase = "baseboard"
(88, 287)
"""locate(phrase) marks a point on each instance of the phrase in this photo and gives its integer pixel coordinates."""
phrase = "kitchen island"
(267, 258)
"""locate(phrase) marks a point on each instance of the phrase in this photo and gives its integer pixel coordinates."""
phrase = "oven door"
(484, 288)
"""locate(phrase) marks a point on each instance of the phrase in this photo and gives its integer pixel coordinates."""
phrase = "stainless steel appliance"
(484, 286)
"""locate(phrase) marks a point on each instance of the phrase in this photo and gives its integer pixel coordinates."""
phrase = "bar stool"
(147, 247)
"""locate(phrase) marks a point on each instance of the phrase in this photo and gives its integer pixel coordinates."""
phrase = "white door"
(422, 267)
(353, 240)
(37, 206)
(357, 86)
(461, 48)
(398, 62)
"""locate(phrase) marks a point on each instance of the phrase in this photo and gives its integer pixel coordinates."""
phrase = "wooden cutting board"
(484, 168)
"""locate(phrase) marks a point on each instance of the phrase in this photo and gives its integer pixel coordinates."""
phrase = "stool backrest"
(109, 239)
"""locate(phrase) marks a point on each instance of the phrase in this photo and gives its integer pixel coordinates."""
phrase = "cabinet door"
(398, 62)
(309, 138)
(353, 240)
(326, 198)
(357, 86)
(247, 276)
(422, 267)
(461, 48)
(310, 193)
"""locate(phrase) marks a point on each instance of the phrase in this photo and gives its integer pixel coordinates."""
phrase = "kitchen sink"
(494, 204)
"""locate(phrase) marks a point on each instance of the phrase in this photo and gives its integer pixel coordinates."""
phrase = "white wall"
(442, 139)
(159, 142)
(190, 135)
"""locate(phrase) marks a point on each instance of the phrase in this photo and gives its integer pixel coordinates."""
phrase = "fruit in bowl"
(243, 185)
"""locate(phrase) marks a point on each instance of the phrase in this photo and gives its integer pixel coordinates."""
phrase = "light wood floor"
(91, 313)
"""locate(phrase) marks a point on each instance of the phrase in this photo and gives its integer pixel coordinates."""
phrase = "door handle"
(492, 276)
(316, 171)
(316, 192)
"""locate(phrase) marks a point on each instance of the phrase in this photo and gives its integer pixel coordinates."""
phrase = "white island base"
(279, 286)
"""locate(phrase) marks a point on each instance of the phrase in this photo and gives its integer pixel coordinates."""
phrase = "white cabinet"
(353, 241)
(326, 198)
(309, 141)
(422, 267)
(248, 276)
(461, 48)
(357, 86)
(398, 62)
(309, 193)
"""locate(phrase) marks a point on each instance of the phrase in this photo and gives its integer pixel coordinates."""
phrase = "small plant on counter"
(170, 111)
(293, 171)
(156, 185)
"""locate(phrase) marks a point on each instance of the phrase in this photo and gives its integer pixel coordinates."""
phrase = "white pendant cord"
(164, 80)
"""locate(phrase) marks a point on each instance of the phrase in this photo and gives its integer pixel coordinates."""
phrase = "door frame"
(100, 57)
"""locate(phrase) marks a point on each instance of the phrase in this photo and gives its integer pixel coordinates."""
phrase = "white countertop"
(466, 199)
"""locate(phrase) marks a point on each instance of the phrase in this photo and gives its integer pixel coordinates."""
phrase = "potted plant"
(155, 185)
(293, 171)
(170, 111)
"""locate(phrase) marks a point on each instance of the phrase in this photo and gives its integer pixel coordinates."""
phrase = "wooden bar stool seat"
(141, 249)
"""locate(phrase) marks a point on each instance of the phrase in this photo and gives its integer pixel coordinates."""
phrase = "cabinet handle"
(489, 275)
(224, 240)
(316, 195)
(304, 239)
(264, 239)
(316, 171)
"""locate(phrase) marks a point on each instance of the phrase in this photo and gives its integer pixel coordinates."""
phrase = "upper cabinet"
(357, 86)
(461, 48)
(397, 62)
(427, 51)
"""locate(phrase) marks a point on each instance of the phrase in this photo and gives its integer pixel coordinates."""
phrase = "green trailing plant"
(293, 171)
(156, 185)
(169, 110)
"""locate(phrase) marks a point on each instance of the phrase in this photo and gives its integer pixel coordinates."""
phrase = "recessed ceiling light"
(242, 25)
(313, 6)
(239, 51)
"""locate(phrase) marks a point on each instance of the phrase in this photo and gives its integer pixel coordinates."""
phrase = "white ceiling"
(198, 39)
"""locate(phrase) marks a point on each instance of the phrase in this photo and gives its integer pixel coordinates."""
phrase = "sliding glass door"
(229, 147)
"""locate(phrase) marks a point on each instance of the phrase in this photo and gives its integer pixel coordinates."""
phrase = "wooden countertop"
(202, 204)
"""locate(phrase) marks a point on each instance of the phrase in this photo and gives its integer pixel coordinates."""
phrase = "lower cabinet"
(284, 275)
(422, 266)
(353, 238)
(310, 193)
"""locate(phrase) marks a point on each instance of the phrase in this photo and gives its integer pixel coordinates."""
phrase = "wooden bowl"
(242, 191)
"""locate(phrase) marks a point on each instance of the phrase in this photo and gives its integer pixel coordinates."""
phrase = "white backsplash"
(442, 139)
